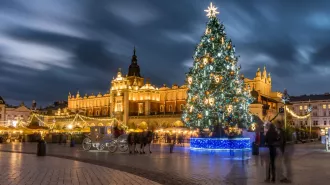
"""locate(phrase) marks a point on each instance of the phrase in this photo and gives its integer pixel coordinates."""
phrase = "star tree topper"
(211, 11)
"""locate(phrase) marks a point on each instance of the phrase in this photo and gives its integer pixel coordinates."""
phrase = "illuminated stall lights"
(220, 144)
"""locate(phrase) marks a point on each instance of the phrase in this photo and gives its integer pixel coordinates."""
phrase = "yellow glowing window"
(329, 106)
(305, 107)
(324, 106)
(300, 107)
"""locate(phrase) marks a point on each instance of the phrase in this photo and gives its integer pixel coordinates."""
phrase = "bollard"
(41, 148)
(255, 149)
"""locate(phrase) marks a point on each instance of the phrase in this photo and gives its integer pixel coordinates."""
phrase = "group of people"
(276, 141)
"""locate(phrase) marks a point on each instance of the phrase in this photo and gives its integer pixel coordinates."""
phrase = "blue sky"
(48, 48)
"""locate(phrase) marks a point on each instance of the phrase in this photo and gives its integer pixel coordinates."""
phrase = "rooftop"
(311, 97)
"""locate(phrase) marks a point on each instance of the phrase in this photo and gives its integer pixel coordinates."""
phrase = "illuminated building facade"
(134, 100)
(12, 115)
(320, 115)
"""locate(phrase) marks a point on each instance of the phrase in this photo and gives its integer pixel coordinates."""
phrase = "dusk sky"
(48, 48)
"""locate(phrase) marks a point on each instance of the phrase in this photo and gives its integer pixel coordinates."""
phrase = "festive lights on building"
(297, 116)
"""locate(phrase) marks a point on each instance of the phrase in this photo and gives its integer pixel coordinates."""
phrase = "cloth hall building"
(135, 100)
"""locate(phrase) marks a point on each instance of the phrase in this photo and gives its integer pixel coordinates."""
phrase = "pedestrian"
(271, 140)
(286, 151)
(173, 139)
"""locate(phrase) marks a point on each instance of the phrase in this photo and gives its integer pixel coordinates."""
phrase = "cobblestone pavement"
(310, 164)
(29, 169)
(17, 169)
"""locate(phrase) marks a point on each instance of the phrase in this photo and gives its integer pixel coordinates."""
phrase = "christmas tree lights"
(217, 94)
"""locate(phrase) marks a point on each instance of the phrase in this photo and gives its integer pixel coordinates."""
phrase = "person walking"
(271, 141)
(286, 151)
(173, 140)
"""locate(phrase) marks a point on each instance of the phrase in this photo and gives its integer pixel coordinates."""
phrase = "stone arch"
(143, 125)
(100, 124)
(178, 123)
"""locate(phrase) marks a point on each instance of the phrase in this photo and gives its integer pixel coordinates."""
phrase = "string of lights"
(297, 116)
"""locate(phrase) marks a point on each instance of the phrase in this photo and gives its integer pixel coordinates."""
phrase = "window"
(305, 107)
(140, 108)
(316, 122)
(314, 113)
(329, 106)
(324, 106)
(324, 113)
(300, 107)
(325, 122)
(161, 108)
(315, 107)
(301, 122)
(305, 122)
(170, 108)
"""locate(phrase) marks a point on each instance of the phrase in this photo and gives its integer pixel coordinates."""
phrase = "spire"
(258, 73)
(134, 68)
(264, 73)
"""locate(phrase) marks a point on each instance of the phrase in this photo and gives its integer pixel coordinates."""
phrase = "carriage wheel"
(112, 146)
(123, 147)
(87, 144)
(100, 146)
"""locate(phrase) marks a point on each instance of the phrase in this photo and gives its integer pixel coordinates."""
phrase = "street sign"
(281, 110)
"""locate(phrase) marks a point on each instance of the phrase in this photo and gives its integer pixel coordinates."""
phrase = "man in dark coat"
(271, 141)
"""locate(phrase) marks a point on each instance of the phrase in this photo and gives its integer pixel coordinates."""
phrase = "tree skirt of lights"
(220, 143)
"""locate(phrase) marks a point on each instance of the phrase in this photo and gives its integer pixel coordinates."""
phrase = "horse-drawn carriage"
(101, 137)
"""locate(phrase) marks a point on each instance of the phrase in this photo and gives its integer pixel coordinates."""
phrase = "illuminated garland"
(59, 117)
(297, 116)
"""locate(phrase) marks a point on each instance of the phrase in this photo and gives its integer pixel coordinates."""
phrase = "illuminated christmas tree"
(216, 93)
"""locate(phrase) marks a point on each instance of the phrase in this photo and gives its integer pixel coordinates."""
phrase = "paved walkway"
(310, 164)
(17, 169)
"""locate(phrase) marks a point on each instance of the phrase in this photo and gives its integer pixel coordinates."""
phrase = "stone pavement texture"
(19, 169)
(310, 164)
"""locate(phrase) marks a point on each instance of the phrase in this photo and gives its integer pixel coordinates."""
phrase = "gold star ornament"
(211, 11)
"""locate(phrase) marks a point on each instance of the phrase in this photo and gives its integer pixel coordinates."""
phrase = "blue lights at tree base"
(220, 143)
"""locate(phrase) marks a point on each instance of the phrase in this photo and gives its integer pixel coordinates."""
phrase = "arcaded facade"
(133, 99)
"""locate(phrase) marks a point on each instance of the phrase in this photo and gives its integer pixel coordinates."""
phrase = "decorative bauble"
(206, 101)
(220, 78)
(201, 66)
(211, 101)
(207, 92)
(211, 75)
(197, 59)
(191, 108)
(227, 58)
(231, 72)
(212, 59)
(199, 116)
(222, 40)
(212, 38)
(190, 80)
(217, 79)
(230, 108)
(187, 119)
(207, 55)
(229, 46)
(205, 60)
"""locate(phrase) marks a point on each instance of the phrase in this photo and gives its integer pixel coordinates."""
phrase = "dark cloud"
(81, 44)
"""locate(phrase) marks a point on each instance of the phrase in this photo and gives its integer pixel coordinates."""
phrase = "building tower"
(2, 111)
(134, 68)
(134, 71)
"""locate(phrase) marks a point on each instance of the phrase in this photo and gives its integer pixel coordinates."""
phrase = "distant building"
(11, 115)
(135, 100)
(320, 116)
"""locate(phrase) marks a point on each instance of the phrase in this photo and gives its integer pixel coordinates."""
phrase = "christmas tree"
(217, 94)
